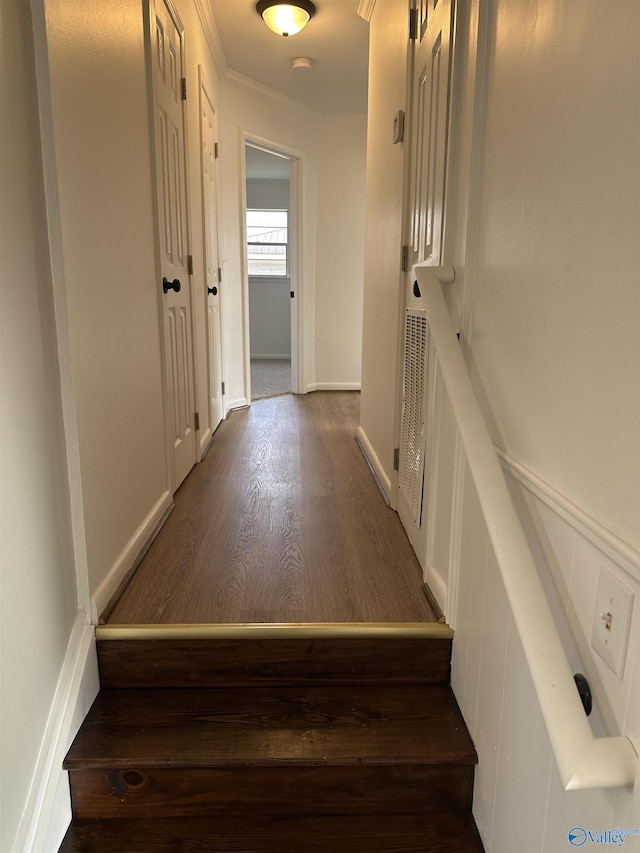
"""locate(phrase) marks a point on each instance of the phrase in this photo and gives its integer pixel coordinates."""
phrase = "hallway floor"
(281, 522)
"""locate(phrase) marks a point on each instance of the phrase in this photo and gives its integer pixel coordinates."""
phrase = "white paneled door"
(208, 134)
(431, 77)
(429, 121)
(167, 51)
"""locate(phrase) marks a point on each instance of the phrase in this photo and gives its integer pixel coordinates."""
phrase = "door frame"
(296, 160)
(149, 9)
(433, 401)
(205, 89)
(478, 45)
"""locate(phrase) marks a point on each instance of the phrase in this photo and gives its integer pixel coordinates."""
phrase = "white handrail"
(583, 760)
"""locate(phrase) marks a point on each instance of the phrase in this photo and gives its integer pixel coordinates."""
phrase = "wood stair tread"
(260, 834)
(317, 726)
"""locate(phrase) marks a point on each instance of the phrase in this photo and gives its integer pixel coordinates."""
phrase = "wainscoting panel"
(519, 802)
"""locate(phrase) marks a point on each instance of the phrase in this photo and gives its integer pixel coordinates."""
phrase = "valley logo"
(578, 836)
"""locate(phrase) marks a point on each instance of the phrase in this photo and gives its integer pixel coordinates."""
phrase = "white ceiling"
(336, 40)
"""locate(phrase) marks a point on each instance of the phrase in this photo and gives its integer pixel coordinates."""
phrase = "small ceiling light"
(286, 19)
(301, 64)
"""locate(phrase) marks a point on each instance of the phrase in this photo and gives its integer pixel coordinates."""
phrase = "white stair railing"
(584, 761)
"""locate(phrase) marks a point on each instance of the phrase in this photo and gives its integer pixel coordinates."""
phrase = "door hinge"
(190, 264)
(216, 151)
(404, 259)
(413, 24)
(396, 459)
(219, 275)
(183, 88)
(196, 420)
(223, 389)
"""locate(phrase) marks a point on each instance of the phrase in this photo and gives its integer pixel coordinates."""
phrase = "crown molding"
(205, 13)
(365, 9)
(264, 92)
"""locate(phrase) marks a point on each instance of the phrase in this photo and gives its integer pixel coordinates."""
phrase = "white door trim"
(295, 270)
(296, 158)
(418, 248)
(206, 90)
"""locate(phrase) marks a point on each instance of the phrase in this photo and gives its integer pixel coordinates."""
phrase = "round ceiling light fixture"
(286, 19)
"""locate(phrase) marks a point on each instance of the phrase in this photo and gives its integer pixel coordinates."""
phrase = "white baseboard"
(205, 438)
(128, 556)
(48, 808)
(372, 457)
(437, 586)
(240, 403)
(285, 356)
(335, 386)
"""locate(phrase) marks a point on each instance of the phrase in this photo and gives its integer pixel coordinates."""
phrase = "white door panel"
(172, 211)
(431, 76)
(212, 262)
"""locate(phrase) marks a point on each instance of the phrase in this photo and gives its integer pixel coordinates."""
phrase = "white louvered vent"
(412, 443)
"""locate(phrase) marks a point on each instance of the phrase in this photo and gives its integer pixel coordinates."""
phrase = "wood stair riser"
(368, 834)
(273, 662)
(276, 791)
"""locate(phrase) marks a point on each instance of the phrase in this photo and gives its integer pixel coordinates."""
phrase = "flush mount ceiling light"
(286, 19)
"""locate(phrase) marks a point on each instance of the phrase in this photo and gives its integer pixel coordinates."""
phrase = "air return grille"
(411, 463)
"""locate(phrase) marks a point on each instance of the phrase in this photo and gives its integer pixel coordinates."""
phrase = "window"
(267, 242)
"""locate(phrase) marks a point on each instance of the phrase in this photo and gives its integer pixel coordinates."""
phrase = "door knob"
(171, 285)
(213, 290)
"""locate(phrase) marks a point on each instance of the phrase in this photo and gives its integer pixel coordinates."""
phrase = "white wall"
(383, 234)
(550, 328)
(248, 108)
(555, 322)
(342, 147)
(102, 147)
(542, 229)
(38, 599)
(282, 123)
(555, 350)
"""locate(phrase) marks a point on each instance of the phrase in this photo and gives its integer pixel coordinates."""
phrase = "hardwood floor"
(281, 522)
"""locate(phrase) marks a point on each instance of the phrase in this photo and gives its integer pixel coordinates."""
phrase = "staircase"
(261, 745)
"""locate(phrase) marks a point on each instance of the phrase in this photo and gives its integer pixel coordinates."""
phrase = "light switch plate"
(611, 621)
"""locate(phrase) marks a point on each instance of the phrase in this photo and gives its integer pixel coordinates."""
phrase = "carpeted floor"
(270, 377)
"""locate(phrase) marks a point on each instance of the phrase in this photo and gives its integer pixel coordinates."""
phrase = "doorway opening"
(271, 234)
